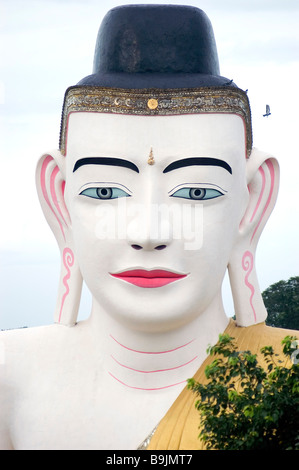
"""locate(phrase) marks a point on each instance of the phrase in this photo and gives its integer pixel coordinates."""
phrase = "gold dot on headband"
(152, 103)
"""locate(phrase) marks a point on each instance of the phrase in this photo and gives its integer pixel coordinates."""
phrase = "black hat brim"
(154, 80)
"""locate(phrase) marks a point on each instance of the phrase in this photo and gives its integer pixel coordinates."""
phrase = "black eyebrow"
(105, 161)
(198, 161)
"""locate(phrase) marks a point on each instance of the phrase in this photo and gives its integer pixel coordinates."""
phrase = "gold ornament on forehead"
(151, 160)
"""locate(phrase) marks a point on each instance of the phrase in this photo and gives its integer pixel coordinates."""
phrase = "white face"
(153, 241)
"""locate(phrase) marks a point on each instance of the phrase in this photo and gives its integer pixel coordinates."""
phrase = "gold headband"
(156, 102)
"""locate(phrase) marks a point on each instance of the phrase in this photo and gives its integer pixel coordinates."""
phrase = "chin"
(150, 316)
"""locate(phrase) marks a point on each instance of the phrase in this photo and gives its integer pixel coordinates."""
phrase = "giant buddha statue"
(155, 191)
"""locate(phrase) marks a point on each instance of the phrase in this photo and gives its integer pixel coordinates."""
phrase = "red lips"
(153, 278)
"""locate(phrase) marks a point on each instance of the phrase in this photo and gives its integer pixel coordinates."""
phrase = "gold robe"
(178, 430)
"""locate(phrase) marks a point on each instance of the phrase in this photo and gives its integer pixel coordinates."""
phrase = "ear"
(50, 182)
(263, 183)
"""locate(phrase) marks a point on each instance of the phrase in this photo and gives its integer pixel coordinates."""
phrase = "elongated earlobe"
(50, 184)
(263, 183)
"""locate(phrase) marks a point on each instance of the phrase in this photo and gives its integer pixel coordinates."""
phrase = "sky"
(48, 45)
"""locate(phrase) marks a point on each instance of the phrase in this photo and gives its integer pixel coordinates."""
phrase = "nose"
(149, 232)
(139, 247)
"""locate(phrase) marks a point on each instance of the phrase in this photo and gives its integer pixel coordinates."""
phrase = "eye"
(104, 193)
(197, 194)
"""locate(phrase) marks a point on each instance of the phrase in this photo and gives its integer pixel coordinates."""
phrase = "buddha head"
(156, 189)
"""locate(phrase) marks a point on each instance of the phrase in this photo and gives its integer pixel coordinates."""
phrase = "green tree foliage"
(282, 303)
(245, 406)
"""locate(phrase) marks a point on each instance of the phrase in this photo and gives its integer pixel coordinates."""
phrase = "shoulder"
(20, 351)
(34, 345)
(16, 348)
(254, 337)
(28, 352)
(27, 356)
(19, 343)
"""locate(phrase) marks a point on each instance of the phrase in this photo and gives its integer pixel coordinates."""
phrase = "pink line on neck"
(154, 352)
(153, 371)
(146, 389)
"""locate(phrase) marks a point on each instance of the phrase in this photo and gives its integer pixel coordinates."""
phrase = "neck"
(156, 361)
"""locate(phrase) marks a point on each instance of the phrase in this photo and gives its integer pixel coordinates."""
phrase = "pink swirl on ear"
(247, 265)
(68, 261)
